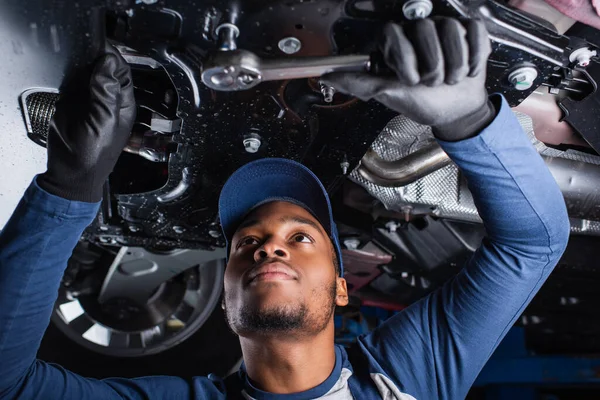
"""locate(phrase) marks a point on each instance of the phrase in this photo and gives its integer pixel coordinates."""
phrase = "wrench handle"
(242, 70)
(312, 67)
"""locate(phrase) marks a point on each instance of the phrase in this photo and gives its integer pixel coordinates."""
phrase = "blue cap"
(275, 179)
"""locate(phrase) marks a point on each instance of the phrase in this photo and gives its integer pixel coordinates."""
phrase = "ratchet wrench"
(241, 69)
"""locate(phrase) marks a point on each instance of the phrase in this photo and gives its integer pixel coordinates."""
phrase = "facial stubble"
(288, 318)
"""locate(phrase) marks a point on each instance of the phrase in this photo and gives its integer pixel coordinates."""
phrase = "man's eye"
(302, 238)
(247, 241)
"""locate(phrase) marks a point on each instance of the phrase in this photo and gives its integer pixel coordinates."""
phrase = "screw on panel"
(178, 229)
(523, 78)
(290, 45)
(417, 9)
(252, 144)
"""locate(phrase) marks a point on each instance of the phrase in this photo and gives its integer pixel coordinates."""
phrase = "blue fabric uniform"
(434, 349)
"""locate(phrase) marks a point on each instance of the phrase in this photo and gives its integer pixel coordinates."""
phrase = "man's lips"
(271, 271)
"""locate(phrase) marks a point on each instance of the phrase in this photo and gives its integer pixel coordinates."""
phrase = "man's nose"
(271, 248)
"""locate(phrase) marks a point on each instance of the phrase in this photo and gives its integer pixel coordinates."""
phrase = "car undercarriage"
(219, 84)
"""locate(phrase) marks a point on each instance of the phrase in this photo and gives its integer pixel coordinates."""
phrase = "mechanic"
(284, 275)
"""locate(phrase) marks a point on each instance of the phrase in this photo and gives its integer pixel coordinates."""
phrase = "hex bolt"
(134, 228)
(523, 78)
(252, 144)
(214, 233)
(290, 45)
(149, 1)
(417, 9)
(352, 243)
(178, 229)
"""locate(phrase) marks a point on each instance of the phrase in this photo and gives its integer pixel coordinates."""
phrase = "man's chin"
(270, 318)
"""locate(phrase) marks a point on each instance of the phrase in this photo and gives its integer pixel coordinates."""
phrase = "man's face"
(280, 277)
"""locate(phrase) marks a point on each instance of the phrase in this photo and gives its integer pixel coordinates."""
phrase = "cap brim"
(271, 179)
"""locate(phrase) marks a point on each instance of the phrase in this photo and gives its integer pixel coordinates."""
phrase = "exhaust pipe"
(414, 166)
(578, 181)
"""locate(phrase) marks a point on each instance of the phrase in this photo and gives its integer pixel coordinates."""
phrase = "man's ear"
(341, 293)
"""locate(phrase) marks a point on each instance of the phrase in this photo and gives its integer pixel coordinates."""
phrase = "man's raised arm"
(34, 248)
(436, 347)
(444, 340)
(88, 132)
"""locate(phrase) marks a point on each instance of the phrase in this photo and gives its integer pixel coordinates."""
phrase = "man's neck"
(289, 365)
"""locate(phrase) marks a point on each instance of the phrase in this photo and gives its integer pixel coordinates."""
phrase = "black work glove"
(89, 130)
(440, 71)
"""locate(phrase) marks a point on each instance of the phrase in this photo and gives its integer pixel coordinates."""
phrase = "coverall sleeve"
(34, 248)
(435, 348)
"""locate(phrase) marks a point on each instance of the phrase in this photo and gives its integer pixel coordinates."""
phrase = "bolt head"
(290, 45)
(252, 144)
(417, 9)
(178, 229)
